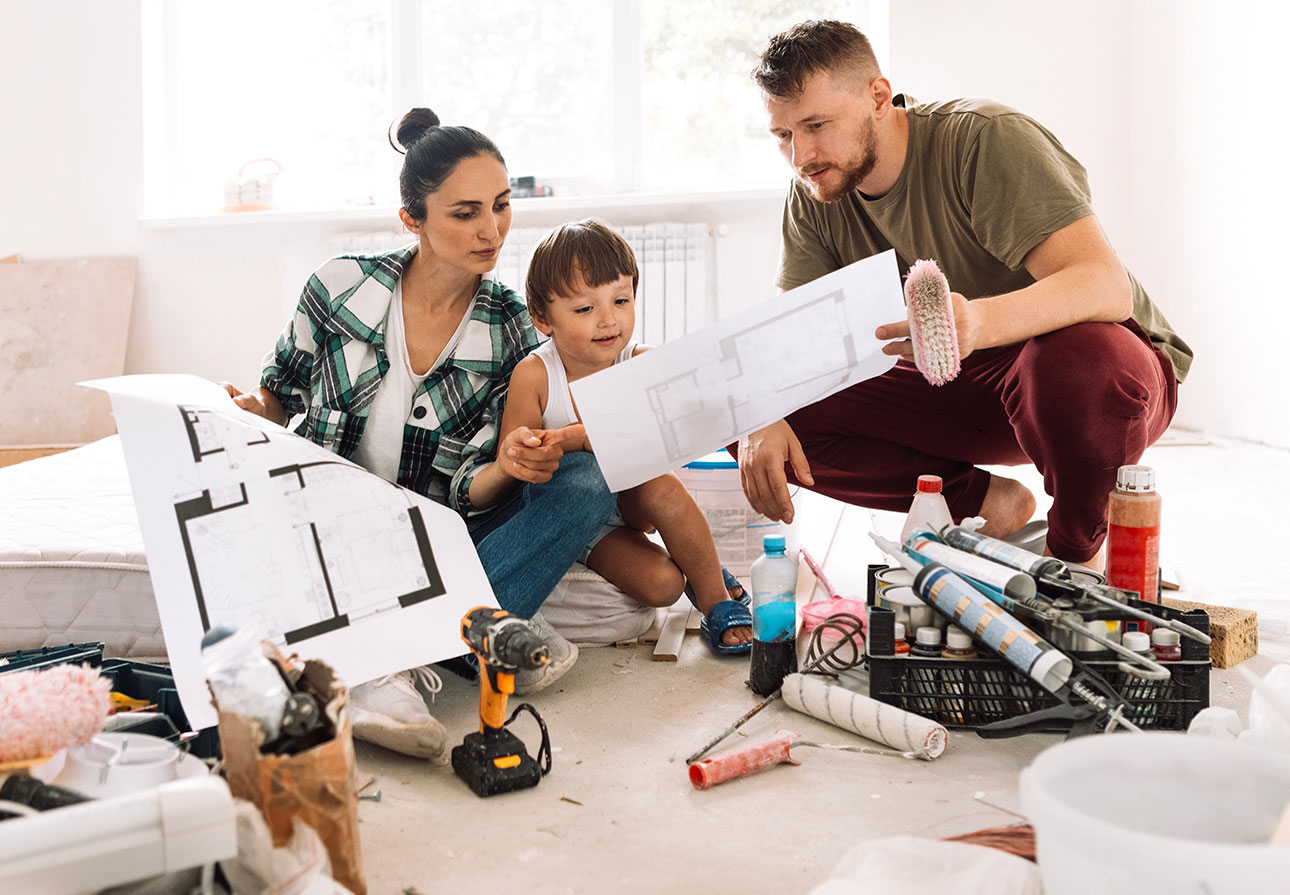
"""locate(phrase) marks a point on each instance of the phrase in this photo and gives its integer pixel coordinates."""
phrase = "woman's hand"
(261, 403)
(530, 455)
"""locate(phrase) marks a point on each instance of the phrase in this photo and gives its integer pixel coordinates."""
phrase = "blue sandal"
(727, 614)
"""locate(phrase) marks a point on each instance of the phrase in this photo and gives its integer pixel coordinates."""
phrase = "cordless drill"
(495, 760)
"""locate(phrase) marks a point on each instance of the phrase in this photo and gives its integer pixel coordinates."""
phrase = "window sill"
(384, 214)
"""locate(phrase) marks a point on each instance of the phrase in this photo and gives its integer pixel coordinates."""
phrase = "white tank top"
(559, 403)
(381, 447)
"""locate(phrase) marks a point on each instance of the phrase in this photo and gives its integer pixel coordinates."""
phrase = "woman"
(400, 362)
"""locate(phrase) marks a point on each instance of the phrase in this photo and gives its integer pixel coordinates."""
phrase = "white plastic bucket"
(1158, 812)
(736, 527)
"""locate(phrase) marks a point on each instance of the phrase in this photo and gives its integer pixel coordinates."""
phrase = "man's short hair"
(810, 47)
(587, 252)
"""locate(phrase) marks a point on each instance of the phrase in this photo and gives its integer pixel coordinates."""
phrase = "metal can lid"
(930, 484)
(1135, 478)
(957, 638)
(1137, 641)
(1164, 637)
(928, 635)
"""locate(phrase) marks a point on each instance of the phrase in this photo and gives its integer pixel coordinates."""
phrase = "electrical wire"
(850, 631)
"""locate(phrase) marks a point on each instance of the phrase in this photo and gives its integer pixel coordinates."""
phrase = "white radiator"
(677, 292)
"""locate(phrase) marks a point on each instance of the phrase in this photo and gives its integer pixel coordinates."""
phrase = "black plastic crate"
(156, 684)
(974, 692)
(48, 656)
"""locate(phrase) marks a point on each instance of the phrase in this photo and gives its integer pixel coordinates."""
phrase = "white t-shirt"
(381, 446)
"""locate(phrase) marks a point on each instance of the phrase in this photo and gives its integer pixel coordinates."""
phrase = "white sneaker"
(391, 712)
(563, 655)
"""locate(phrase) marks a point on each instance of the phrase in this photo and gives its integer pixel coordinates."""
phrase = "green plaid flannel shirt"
(329, 361)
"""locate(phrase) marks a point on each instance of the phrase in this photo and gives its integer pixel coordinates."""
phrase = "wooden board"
(64, 321)
(18, 455)
(669, 641)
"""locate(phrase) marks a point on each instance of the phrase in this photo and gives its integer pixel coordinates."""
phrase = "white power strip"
(88, 847)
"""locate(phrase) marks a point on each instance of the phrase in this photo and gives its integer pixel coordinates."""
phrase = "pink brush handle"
(815, 568)
(712, 771)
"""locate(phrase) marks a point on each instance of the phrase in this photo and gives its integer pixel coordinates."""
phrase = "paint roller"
(908, 734)
(932, 331)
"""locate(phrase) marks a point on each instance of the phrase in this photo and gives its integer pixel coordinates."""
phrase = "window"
(589, 96)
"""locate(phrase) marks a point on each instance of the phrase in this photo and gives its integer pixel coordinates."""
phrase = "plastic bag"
(913, 866)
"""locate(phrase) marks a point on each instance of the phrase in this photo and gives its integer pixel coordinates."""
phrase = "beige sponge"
(1234, 632)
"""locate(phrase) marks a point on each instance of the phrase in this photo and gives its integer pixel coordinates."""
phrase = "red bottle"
(1133, 534)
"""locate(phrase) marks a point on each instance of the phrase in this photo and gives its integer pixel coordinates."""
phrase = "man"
(1066, 362)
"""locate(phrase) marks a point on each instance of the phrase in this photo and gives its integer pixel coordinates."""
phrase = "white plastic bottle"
(774, 612)
(929, 511)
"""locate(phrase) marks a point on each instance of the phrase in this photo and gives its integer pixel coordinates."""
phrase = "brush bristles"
(931, 323)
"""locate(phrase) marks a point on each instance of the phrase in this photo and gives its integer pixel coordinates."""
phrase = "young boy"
(581, 292)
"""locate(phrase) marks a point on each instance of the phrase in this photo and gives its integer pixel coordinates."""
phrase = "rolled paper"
(729, 765)
(867, 717)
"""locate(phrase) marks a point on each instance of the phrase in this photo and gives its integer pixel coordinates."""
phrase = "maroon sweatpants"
(1078, 403)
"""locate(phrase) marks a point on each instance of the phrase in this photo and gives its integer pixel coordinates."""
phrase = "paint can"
(895, 591)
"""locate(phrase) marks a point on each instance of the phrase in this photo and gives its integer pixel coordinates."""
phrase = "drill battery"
(495, 761)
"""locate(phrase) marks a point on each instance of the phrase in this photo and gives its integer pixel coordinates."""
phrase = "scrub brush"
(931, 323)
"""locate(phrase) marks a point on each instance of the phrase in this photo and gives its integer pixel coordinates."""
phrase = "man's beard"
(853, 171)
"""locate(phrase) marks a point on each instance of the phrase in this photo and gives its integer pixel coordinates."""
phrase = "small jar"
(902, 645)
(958, 644)
(927, 643)
(1137, 641)
(1166, 645)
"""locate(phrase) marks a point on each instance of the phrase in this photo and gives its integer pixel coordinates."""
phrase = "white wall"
(1162, 101)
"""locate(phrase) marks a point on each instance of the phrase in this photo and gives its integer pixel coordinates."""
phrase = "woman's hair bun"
(412, 127)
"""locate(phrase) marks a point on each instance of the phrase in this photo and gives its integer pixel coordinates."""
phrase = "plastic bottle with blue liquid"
(774, 612)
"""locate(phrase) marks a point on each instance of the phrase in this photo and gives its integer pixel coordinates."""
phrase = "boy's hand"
(572, 437)
(530, 455)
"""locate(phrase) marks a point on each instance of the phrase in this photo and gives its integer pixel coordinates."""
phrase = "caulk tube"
(1010, 555)
(977, 614)
(1002, 578)
(993, 625)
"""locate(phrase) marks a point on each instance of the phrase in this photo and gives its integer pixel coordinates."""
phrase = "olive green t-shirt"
(981, 186)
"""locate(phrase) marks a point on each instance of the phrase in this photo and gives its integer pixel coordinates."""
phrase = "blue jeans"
(527, 544)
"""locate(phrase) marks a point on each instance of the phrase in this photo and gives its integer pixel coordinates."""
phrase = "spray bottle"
(774, 612)
(929, 511)
(1133, 534)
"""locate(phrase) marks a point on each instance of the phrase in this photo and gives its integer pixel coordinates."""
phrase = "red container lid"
(930, 484)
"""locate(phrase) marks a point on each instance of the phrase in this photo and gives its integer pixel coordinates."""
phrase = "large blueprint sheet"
(246, 523)
(699, 393)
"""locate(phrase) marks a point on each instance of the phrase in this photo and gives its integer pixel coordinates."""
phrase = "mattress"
(72, 564)
(73, 569)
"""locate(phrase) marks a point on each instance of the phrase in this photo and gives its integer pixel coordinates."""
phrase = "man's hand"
(530, 455)
(761, 469)
(966, 323)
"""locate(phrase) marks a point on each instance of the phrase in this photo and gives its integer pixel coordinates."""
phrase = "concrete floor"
(617, 812)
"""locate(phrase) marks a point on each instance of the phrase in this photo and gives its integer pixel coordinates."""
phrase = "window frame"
(161, 66)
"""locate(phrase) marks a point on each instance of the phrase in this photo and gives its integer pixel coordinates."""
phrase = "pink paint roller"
(41, 711)
(931, 323)
(729, 765)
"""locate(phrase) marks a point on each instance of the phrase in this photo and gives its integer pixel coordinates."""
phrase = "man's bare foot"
(1008, 505)
(1097, 562)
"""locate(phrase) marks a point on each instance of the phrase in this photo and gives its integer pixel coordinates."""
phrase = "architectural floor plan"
(247, 524)
(703, 391)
